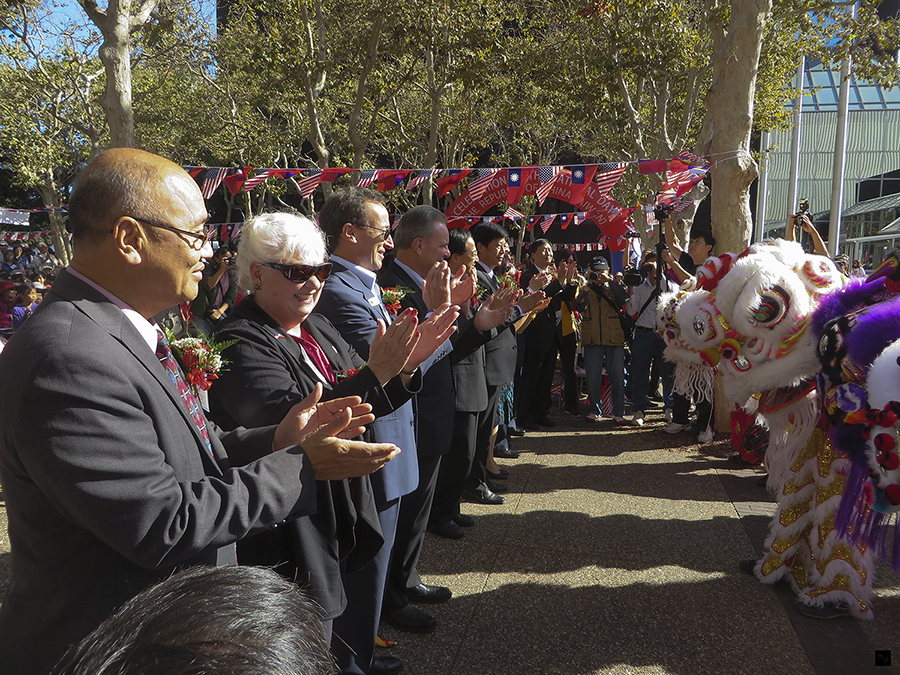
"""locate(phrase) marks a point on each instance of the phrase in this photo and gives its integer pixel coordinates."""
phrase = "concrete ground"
(616, 553)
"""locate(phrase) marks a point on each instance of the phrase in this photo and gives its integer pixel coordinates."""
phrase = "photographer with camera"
(604, 329)
(217, 292)
(647, 345)
(802, 220)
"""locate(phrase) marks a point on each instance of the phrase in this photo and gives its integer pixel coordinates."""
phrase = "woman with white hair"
(283, 353)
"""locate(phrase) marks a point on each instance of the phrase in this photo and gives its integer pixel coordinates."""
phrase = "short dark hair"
(706, 237)
(224, 620)
(107, 190)
(485, 233)
(348, 205)
(458, 238)
(561, 254)
(537, 243)
(417, 222)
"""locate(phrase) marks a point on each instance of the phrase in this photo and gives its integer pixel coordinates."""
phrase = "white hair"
(278, 238)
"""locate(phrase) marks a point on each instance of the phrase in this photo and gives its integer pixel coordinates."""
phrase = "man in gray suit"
(356, 223)
(112, 477)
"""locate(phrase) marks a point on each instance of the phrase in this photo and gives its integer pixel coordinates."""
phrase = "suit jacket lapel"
(352, 281)
(110, 318)
(407, 281)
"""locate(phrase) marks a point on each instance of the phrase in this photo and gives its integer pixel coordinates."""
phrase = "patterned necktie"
(315, 354)
(167, 359)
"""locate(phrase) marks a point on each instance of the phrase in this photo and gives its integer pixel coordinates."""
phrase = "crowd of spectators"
(455, 349)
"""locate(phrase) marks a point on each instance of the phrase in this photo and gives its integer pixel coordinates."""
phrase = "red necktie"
(167, 359)
(315, 354)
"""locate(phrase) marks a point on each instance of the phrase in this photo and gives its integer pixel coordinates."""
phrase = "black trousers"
(411, 524)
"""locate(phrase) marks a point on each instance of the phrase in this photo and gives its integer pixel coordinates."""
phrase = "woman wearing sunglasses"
(283, 353)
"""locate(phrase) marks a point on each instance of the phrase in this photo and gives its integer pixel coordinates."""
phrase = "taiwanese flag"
(389, 179)
(565, 219)
(652, 165)
(582, 176)
(235, 181)
(194, 171)
(532, 221)
(516, 180)
(451, 180)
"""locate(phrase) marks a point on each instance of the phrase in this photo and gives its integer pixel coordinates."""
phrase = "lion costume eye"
(704, 326)
(773, 307)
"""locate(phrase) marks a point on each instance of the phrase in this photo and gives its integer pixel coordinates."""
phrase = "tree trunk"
(725, 137)
(115, 24)
(50, 194)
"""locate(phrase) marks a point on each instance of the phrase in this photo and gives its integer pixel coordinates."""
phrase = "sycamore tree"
(50, 123)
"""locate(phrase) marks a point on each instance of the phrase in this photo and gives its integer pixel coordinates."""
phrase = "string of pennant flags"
(519, 180)
(24, 236)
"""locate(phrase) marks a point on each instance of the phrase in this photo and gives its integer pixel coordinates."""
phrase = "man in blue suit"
(358, 229)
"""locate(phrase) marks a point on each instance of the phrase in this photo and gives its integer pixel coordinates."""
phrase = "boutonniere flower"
(200, 358)
(510, 278)
(344, 374)
(481, 292)
(391, 298)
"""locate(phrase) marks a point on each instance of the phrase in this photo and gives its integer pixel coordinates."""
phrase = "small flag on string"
(257, 180)
(547, 222)
(421, 176)
(608, 175)
(308, 183)
(512, 214)
(646, 166)
(212, 177)
(547, 176)
(389, 179)
(451, 180)
(234, 181)
(582, 175)
(477, 187)
(532, 221)
(564, 220)
(366, 178)
(517, 179)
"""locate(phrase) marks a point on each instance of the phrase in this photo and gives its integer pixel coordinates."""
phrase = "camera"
(802, 207)
(633, 276)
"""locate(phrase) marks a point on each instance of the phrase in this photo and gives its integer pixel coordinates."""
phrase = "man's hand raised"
(487, 318)
(462, 285)
(392, 346)
(530, 301)
(433, 333)
(436, 286)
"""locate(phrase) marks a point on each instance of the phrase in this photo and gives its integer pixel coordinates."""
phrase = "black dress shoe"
(482, 495)
(447, 529)
(506, 453)
(515, 431)
(410, 619)
(545, 422)
(463, 520)
(429, 595)
(503, 474)
(496, 487)
(385, 665)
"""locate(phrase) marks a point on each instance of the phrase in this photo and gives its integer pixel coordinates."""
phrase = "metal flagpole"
(839, 164)
(793, 189)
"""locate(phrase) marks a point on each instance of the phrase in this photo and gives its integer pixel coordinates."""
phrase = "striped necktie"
(167, 359)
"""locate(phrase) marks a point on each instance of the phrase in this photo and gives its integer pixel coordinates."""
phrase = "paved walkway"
(616, 552)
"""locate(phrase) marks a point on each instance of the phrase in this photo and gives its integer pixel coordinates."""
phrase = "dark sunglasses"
(301, 273)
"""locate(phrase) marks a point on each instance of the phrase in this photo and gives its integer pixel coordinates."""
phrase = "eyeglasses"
(383, 233)
(200, 239)
(302, 273)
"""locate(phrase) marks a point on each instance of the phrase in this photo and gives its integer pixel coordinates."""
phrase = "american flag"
(512, 214)
(608, 175)
(259, 178)
(678, 183)
(366, 177)
(547, 176)
(480, 184)
(211, 179)
(421, 176)
(547, 222)
(691, 158)
(308, 183)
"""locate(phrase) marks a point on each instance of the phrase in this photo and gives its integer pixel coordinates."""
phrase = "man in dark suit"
(356, 224)
(421, 241)
(533, 387)
(112, 479)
